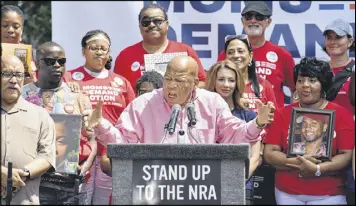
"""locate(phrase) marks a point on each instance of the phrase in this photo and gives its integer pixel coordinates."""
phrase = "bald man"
(28, 144)
(214, 119)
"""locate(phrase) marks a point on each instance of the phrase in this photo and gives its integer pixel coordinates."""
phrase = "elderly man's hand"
(18, 177)
(265, 112)
(91, 118)
(245, 100)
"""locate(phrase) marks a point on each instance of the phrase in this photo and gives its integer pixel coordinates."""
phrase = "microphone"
(173, 119)
(191, 114)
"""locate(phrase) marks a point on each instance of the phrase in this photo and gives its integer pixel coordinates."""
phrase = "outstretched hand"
(265, 112)
(91, 118)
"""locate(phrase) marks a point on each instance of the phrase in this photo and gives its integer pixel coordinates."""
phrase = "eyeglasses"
(258, 17)
(9, 75)
(147, 21)
(96, 49)
(52, 61)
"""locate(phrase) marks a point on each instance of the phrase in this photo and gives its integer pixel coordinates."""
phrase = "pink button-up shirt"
(144, 119)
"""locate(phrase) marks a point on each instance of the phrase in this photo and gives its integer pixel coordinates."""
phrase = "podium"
(178, 174)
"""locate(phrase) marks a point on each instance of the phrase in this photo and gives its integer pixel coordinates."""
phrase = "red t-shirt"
(275, 64)
(266, 93)
(130, 62)
(115, 90)
(342, 98)
(289, 181)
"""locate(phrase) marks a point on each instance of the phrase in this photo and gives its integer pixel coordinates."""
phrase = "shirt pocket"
(29, 142)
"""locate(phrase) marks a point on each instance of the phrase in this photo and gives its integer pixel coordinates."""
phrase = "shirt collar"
(20, 105)
(100, 75)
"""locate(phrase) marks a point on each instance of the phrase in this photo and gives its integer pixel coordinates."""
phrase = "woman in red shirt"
(99, 83)
(239, 51)
(305, 179)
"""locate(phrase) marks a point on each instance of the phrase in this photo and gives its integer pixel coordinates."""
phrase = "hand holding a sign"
(265, 112)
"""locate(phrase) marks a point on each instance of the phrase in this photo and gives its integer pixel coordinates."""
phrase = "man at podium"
(179, 113)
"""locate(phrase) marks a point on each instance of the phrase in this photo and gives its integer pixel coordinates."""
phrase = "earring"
(323, 95)
(250, 64)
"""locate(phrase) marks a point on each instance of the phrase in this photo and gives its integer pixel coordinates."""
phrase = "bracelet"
(258, 125)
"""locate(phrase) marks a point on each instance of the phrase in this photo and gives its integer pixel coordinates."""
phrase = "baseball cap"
(340, 27)
(317, 117)
(258, 7)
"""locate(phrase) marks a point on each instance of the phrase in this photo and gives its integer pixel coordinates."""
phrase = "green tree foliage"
(38, 21)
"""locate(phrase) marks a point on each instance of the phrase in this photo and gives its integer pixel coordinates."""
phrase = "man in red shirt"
(273, 63)
(153, 27)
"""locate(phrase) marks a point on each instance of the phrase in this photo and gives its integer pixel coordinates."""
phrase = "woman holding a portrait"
(305, 179)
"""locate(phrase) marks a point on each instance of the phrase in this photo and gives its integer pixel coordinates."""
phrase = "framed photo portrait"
(311, 132)
(68, 128)
(158, 62)
(22, 51)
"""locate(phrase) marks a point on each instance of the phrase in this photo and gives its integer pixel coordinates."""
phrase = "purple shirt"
(144, 118)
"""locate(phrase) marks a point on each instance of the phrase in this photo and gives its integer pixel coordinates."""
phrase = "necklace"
(322, 106)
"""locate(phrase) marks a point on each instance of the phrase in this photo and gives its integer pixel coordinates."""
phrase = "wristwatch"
(318, 172)
(28, 171)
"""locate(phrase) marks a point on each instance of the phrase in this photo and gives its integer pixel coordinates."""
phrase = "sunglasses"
(52, 62)
(242, 37)
(147, 21)
(231, 37)
(258, 17)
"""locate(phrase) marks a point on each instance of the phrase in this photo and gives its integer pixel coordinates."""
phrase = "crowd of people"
(235, 102)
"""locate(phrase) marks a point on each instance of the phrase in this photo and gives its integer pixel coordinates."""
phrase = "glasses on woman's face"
(258, 17)
(93, 49)
(145, 22)
(51, 61)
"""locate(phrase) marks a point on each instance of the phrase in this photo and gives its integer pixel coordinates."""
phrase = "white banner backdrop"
(296, 25)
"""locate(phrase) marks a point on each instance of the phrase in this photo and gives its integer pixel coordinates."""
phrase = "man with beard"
(273, 63)
(153, 21)
(27, 136)
(55, 95)
(313, 129)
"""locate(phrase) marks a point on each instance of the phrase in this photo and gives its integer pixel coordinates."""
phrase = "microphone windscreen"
(176, 107)
(190, 105)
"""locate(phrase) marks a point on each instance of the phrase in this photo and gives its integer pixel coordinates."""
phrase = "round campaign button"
(78, 76)
(118, 81)
(135, 66)
(69, 108)
(272, 56)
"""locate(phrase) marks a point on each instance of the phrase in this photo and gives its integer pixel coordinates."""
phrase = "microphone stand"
(165, 133)
(9, 184)
(190, 134)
